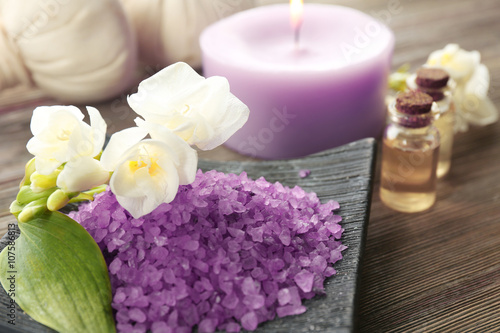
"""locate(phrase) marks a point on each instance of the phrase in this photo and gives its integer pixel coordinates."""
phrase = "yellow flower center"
(186, 110)
(64, 135)
(150, 163)
(446, 58)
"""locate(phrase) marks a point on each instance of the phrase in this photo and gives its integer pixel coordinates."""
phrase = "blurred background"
(437, 271)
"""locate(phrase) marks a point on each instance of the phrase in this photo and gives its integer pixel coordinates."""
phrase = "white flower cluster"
(179, 109)
(473, 81)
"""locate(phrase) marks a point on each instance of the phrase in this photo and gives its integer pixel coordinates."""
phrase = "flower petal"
(169, 87)
(122, 182)
(171, 180)
(235, 116)
(160, 188)
(484, 112)
(82, 174)
(99, 127)
(479, 83)
(137, 207)
(45, 166)
(460, 64)
(42, 116)
(119, 143)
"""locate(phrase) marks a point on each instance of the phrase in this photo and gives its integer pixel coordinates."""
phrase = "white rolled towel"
(77, 51)
(168, 30)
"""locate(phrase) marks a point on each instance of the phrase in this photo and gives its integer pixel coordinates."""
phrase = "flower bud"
(40, 183)
(59, 199)
(32, 210)
(28, 170)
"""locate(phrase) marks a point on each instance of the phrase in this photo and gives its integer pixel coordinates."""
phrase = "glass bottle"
(410, 152)
(436, 83)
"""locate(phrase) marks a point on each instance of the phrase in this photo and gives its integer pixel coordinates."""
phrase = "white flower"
(476, 107)
(473, 81)
(148, 173)
(460, 64)
(200, 111)
(62, 137)
(60, 134)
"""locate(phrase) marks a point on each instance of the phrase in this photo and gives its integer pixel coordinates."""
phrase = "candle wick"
(297, 35)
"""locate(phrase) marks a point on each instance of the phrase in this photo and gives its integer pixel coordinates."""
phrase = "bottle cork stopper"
(414, 102)
(432, 78)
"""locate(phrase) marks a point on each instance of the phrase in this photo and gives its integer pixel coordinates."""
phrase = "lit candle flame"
(296, 17)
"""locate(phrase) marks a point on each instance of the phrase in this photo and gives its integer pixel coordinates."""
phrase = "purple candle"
(324, 91)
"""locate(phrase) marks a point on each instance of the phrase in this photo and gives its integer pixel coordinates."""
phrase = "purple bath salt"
(304, 173)
(227, 254)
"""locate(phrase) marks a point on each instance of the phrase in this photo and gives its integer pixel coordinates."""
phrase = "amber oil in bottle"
(436, 83)
(410, 153)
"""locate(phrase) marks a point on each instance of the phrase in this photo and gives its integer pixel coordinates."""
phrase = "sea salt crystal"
(304, 280)
(249, 263)
(207, 325)
(103, 219)
(115, 266)
(159, 253)
(230, 301)
(114, 226)
(137, 315)
(304, 173)
(284, 296)
(256, 234)
(191, 245)
(119, 296)
(289, 310)
(237, 234)
(249, 321)
(248, 287)
(100, 234)
(254, 302)
(233, 246)
(226, 254)
(232, 327)
(258, 273)
(318, 264)
(329, 271)
(161, 327)
(333, 225)
(137, 222)
(202, 266)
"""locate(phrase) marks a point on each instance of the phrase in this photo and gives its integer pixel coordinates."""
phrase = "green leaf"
(61, 277)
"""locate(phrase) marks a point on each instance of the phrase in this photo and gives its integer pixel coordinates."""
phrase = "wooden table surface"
(436, 271)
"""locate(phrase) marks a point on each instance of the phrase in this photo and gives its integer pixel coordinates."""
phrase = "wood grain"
(436, 271)
(343, 174)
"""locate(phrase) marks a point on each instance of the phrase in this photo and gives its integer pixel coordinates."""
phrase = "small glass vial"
(410, 152)
(436, 83)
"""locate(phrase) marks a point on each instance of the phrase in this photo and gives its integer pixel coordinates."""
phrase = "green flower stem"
(97, 189)
(82, 197)
(89, 195)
